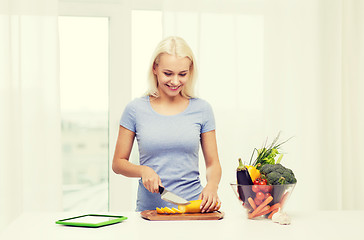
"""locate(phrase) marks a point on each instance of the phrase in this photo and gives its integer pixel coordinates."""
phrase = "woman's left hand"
(210, 199)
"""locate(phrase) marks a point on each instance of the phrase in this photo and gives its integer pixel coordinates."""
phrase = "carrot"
(268, 209)
(264, 211)
(273, 208)
(252, 203)
(272, 213)
(261, 206)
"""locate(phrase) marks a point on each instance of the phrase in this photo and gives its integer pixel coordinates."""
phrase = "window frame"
(119, 15)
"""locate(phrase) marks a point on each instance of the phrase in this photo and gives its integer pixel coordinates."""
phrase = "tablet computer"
(91, 220)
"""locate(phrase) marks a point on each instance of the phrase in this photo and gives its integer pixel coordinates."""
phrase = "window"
(95, 87)
(84, 98)
(146, 34)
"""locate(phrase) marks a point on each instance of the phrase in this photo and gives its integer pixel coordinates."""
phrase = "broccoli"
(267, 168)
(273, 178)
(278, 174)
(289, 177)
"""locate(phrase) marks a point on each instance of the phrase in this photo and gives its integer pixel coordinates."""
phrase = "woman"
(169, 124)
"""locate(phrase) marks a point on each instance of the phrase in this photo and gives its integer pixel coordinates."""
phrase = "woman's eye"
(167, 74)
(183, 74)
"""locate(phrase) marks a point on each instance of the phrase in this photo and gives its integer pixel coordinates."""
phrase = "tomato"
(262, 183)
(263, 188)
(257, 201)
(266, 195)
(259, 196)
(255, 188)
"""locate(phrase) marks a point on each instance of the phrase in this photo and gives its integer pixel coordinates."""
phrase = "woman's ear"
(154, 68)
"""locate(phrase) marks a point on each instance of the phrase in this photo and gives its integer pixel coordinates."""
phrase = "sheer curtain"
(30, 166)
(283, 65)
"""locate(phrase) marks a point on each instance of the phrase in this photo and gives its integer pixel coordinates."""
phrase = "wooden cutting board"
(154, 216)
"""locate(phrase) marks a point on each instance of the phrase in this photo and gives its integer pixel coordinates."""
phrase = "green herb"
(267, 155)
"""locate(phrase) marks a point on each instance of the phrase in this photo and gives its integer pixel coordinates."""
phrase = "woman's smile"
(173, 88)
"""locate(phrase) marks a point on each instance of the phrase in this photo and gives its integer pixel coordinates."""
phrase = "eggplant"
(243, 178)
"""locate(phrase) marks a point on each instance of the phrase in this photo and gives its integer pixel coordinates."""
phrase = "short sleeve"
(128, 118)
(208, 118)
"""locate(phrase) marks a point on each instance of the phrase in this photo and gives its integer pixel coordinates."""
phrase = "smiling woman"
(169, 125)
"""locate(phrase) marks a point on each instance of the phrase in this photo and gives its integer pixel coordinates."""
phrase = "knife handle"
(161, 189)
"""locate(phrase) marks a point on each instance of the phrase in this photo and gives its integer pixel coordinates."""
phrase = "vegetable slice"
(167, 210)
(160, 211)
(177, 210)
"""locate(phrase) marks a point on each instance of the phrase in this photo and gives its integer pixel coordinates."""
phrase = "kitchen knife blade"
(171, 197)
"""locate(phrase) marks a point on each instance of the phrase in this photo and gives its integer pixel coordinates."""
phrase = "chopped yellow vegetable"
(193, 207)
(167, 210)
(159, 210)
(177, 210)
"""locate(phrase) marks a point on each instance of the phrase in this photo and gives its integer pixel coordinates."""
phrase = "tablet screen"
(90, 219)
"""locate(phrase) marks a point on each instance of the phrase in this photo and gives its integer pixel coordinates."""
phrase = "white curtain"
(30, 166)
(294, 66)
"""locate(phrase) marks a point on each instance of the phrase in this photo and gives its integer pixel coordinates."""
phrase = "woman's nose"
(175, 80)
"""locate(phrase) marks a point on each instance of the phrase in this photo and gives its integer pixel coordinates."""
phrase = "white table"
(308, 225)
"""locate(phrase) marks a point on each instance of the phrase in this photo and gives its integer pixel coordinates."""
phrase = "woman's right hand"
(150, 179)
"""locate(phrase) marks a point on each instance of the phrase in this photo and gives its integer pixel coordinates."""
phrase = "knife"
(171, 197)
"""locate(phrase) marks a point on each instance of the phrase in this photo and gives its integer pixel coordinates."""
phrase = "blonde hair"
(178, 47)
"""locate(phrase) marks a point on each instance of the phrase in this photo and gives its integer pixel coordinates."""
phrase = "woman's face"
(172, 74)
